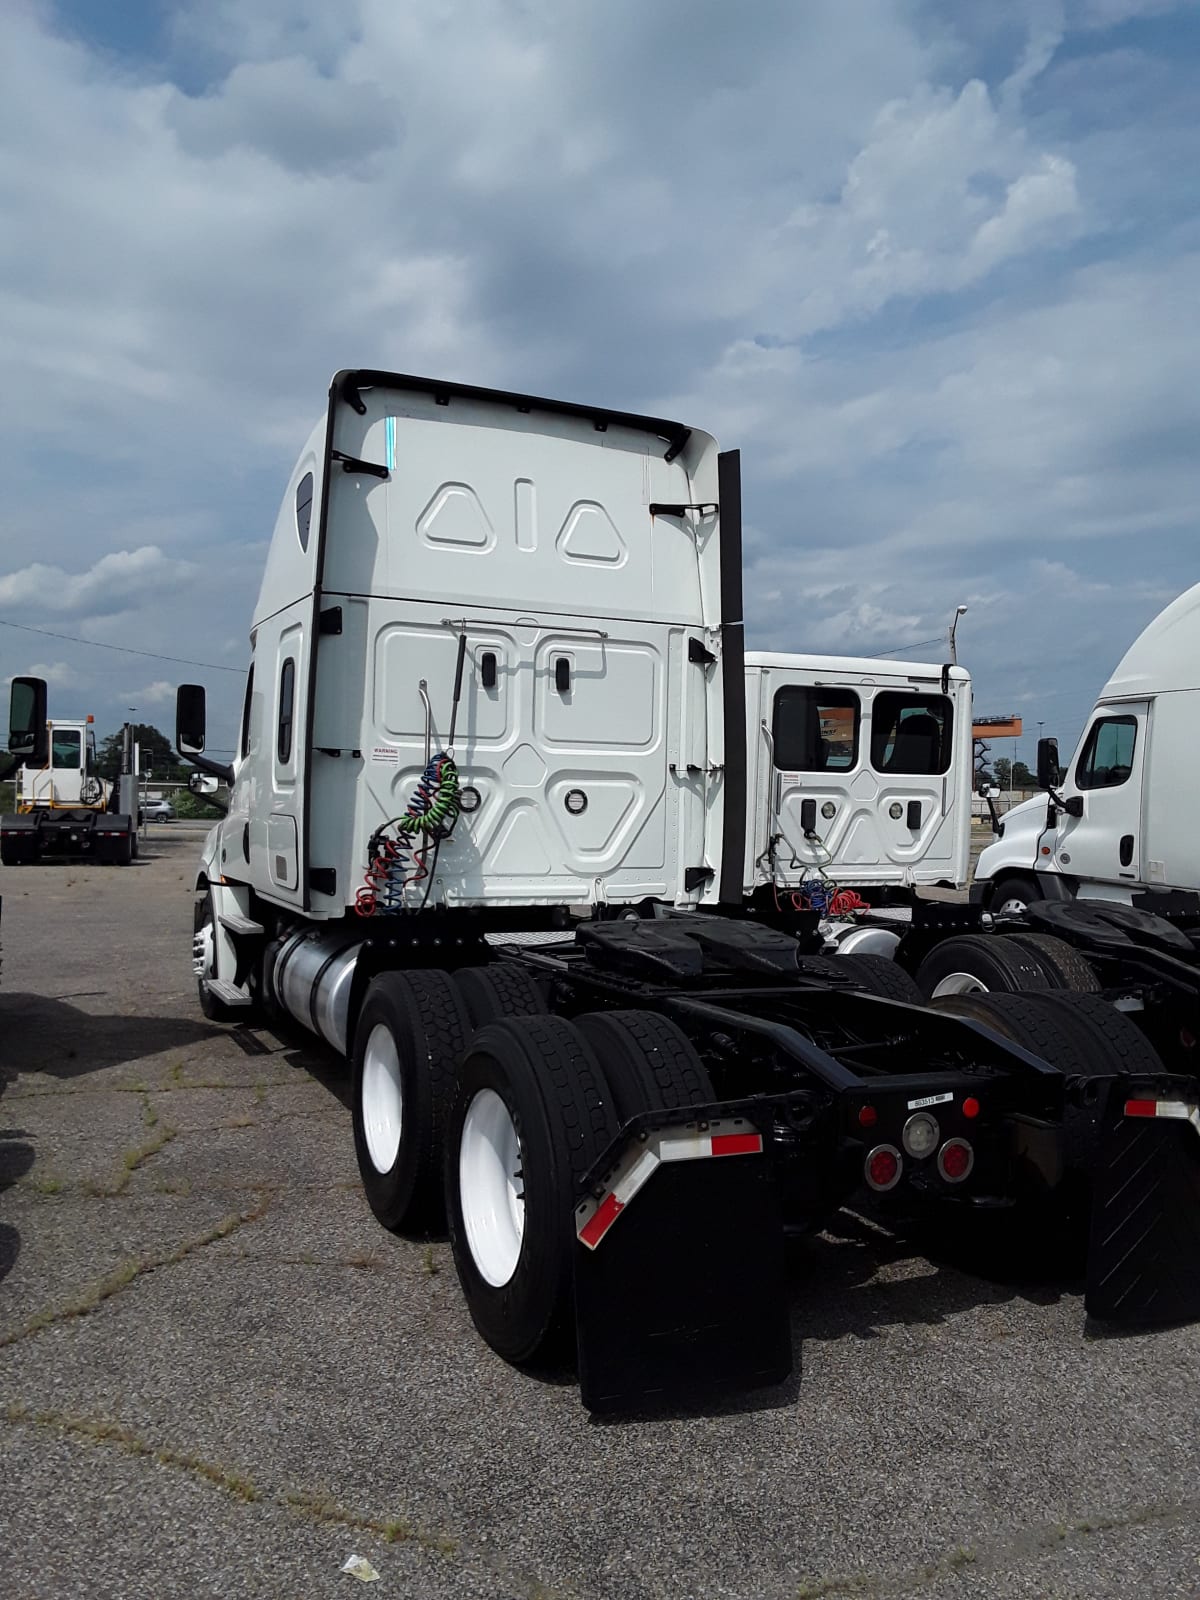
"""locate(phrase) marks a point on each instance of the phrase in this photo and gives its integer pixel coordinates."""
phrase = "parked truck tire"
(204, 947)
(881, 976)
(984, 964)
(1073, 971)
(410, 1033)
(1011, 895)
(531, 1111)
(649, 1063)
(1080, 1034)
(499, 990)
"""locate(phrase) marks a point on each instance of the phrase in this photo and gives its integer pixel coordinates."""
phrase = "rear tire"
(530, 1114)
(881, 976)
(650, 1064)
(1072, 971)
(409, 1036)
(500, 990)
(982, 964)
(1080, 1034)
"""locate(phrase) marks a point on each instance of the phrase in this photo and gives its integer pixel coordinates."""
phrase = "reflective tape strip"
(606, 1214)
(1175, 1110)
(593, 1218)
(737, 1144)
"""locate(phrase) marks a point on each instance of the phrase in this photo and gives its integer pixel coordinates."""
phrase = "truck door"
(865, 782)
(1105, 844)
(815, 738)
(910, 748)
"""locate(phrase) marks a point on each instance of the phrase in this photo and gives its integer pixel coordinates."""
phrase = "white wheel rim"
(1013, 907)
(959, 983)
(204, 952)
(382, 1098)
(491, 1188)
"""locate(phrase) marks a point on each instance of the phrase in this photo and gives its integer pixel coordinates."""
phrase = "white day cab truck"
(858, 781)
(497, 705)
(63, 806)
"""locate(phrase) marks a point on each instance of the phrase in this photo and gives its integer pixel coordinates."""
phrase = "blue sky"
(932, 267)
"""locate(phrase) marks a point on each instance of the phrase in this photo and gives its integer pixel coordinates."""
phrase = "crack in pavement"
(998, 1556)
(127, 1272)
(314, 1504)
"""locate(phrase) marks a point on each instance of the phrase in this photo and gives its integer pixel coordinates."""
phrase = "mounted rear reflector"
(1175, 1110)
(593, 1218)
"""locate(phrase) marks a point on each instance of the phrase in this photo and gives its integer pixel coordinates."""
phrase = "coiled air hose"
(430, 816)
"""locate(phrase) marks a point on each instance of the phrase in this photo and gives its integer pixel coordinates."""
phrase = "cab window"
(1107, 758)
(815, 730)
(65, 748)
(910, 734)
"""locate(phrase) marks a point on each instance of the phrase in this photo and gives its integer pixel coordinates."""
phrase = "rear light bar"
(733, 1137)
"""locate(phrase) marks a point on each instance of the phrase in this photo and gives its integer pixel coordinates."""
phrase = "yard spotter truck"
(63, 806)
(496, 702)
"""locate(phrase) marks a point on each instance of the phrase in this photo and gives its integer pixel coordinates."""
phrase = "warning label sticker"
(387, 755)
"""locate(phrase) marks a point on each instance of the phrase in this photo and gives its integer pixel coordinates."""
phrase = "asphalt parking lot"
(219, 1376)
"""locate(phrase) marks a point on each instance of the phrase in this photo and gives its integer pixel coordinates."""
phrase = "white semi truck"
(1118, 824)
(497, 691)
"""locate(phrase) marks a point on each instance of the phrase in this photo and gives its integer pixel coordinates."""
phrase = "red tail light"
(883, 1167)
(955, 1160)
(970, 1106)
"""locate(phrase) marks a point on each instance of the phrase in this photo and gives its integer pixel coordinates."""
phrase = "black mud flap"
(680, 1284)
(1144, 1254)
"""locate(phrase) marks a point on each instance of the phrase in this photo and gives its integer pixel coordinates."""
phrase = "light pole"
(958, 612)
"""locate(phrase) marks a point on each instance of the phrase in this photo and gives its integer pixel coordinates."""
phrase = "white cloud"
(159, 693)
(58, 674)
(116, 583)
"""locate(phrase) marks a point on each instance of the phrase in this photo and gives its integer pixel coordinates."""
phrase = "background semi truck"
(498, 692)
(1094, 886)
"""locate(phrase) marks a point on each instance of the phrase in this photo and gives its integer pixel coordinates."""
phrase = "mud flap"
(680, 1285)
(1144, 1254)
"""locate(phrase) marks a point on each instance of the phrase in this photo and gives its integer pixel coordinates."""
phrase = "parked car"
(157, 811)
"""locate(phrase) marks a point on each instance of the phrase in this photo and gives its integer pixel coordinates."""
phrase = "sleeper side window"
(304, 500)
(245, 739)
(1107, 758)
(287, 701)
(911, 733)
(815, 730)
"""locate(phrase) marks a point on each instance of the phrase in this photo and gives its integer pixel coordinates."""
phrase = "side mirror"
(203, 783)
(1049, 773)
(28, 736)
(190, 719)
